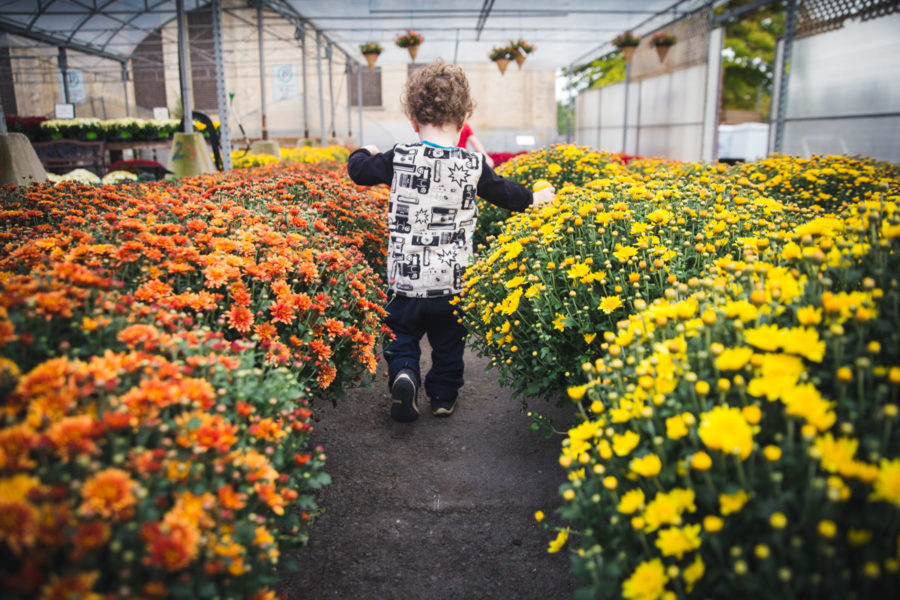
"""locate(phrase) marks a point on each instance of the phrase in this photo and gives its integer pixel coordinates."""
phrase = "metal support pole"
(125, 87)
(63, 62)
(347, 67)
(790, 27)
(3, 129)
(321, 91)
(625, 115)
(221, 94)
(262, 70)
(184, 69)
(329, 51)
(305, 85)
(359, 101)
(571, 109)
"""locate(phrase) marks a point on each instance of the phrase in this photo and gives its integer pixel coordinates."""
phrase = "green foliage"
(602, 71)
(749, 57)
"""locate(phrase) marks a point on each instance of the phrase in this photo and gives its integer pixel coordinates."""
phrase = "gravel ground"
(436, 509)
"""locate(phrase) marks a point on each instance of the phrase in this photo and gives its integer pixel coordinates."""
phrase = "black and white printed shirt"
(432, 211)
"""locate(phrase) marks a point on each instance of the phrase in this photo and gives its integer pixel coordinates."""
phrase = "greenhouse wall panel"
(679, 142)
(844, 91)
(674, 98)
(875, 137)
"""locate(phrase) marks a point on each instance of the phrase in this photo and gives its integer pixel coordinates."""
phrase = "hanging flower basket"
(522, 49)
(411, 40)
(627, 42)
(662, 41)
(502, 56)
(371, 50)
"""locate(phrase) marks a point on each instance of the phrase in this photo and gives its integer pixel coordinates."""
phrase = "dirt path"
(437, 509)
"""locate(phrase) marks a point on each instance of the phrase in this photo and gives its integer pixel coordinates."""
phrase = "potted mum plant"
(662, 41)
(371, 50)
(502, 56)
(411, 40)
(627, 42)
(523, 49)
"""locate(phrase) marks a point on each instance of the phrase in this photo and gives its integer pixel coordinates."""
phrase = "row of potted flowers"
(39, 129)
(728, 337)
(161, 346)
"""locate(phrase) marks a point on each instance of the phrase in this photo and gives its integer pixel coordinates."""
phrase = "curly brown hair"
(438, 94)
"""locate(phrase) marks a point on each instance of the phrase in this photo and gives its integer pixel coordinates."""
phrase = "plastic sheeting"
(844, 92)
(671, 110)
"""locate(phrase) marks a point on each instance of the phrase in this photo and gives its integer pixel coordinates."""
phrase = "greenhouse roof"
(565, 32)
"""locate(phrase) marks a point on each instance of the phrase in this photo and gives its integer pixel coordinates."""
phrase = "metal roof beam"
(288, 12)
(55, 41)
(483, 17)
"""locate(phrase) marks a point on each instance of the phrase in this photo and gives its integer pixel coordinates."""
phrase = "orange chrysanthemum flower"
(240, 318)
(108, 494)
(71, 586)
(74, 435)
(172, 544)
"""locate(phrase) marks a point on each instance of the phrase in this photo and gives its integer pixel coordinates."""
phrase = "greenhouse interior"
(639, 260)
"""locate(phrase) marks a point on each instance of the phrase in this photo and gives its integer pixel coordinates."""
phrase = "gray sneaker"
(442, 408)
(404, 392)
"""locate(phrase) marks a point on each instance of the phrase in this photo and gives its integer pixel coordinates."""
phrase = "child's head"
(438, 94)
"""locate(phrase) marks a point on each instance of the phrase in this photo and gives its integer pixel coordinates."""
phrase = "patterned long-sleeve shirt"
(432, 211)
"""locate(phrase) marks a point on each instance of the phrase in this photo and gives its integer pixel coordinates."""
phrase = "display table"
(157, 150)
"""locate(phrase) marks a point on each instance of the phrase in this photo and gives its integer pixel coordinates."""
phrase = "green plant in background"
(507, 52)
(409, 38)
(749, 57)
(628, 39)
(371, 48)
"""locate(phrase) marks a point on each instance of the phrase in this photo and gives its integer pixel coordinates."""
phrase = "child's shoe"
(442, 408)
(404, 392)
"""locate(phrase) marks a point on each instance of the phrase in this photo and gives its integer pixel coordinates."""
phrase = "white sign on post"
(285, 82)
(64, 111)
(75, 84)
(160, 113)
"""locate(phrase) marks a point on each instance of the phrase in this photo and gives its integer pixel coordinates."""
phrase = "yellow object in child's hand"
(540, 184)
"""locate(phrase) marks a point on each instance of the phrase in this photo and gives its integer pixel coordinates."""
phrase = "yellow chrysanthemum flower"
(676, 541)
(647, 466)
(559, 542)
(732, 503)
(733, 359)
(631, 501)
(624, 443)
(724, 428)
(647, 582)
(887, 485)
(806, 402)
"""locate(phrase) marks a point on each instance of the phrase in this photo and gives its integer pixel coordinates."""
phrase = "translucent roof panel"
(563, 32)
(111, 28)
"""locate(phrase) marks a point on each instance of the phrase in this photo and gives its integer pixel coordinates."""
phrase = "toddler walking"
(431, 219)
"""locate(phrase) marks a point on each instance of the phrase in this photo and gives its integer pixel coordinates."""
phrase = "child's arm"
(367, 166)
(509, 194)
(476, 143)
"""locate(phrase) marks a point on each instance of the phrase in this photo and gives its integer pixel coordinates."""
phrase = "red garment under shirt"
(464, 135)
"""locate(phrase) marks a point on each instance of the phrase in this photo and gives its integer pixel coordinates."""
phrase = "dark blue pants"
(411, 318)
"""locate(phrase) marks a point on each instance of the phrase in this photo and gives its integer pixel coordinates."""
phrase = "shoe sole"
(403, 407)
(444, 412)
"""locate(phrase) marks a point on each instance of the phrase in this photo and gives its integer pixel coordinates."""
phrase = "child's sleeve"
(502, 192)
(368, 169)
